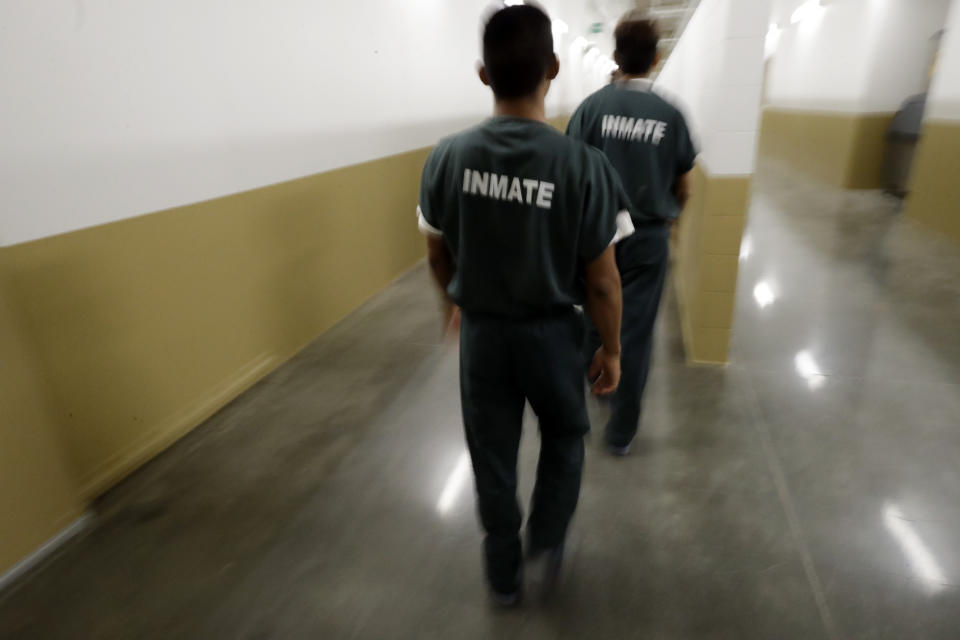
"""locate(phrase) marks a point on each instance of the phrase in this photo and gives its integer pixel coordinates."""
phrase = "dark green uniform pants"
(503, 363)
(642, 259)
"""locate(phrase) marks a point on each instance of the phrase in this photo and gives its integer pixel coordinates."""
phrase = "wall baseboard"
(44, 551)
(177, 426)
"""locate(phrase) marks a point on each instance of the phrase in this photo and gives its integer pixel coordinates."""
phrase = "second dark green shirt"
(644, 137)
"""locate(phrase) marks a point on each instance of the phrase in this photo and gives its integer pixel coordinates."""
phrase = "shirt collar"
(637, 84)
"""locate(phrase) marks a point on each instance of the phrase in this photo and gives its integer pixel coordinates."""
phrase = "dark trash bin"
(902, 138)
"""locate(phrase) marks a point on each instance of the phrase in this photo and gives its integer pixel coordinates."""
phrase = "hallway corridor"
(808, 490)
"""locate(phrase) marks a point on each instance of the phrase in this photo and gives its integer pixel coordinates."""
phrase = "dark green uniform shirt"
(645, 138)
(522, 208)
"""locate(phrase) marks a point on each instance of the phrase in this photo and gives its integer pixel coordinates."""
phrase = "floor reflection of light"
(454, 485)
(808, 370)
(922, 561)
(746, 248)
(763, 294)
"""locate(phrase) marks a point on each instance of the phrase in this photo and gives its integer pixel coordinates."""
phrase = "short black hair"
(637, 40)
(517, 50)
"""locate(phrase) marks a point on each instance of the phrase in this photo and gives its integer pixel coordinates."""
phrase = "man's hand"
(451, 322)
(605, 372)
(442, 268)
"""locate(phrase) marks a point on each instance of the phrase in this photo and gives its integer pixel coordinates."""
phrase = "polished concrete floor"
(809, 490)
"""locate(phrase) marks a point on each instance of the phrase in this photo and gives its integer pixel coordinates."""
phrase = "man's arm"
(605, 305)
(442, 268)
(441, 262)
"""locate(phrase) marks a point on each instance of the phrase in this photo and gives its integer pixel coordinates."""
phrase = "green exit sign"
(596, 27)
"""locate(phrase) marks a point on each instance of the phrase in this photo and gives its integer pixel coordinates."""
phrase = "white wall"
(944, 99)
(902, 51)
(858, 56)
(823, 62)
(715, 75)
(115, 108)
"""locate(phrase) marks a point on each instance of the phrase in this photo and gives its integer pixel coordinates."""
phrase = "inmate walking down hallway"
(521, 224)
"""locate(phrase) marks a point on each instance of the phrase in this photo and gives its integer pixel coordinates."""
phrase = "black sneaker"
(505, 600)
(511, 596)
(619, 452)
(543, 565)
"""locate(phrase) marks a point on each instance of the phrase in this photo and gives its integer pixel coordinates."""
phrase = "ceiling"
(671, 15)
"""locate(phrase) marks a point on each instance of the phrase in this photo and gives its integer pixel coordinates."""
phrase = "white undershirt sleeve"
(625, 227)
(425, 227)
